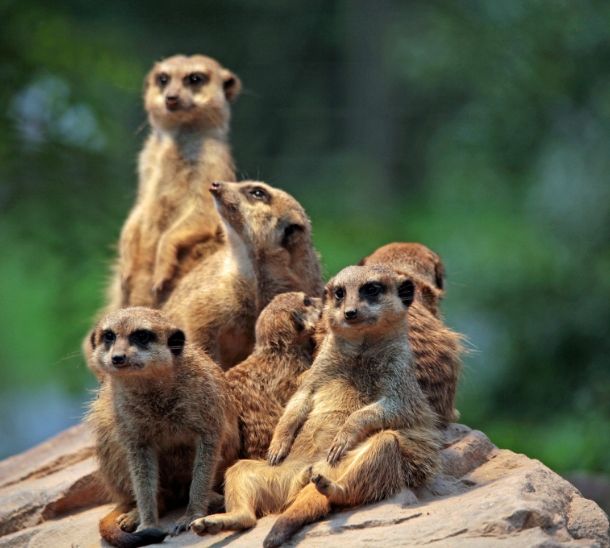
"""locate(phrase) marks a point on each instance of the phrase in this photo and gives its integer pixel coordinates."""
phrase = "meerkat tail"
(113, 534)
(309, 506)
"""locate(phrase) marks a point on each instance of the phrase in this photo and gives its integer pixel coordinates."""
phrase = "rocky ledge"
(50, 496)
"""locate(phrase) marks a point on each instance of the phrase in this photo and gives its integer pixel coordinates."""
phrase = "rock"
(50, 496)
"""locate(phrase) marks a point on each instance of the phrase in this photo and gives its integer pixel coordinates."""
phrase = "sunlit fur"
(269, 251)
(164, 425)
(263, 383)
(357, 430)
(436, 348)
(173, 223)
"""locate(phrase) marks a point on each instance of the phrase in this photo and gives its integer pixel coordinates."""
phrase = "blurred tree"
(479, 128)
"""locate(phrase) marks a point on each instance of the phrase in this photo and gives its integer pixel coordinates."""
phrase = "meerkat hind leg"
(349, 483)
(129, 521)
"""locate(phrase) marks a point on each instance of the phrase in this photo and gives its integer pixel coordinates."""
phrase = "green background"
(481, 129)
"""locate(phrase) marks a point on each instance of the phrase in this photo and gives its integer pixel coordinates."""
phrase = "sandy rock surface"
(50, 496)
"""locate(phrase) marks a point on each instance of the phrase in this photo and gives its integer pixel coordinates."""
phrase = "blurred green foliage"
(479, 128)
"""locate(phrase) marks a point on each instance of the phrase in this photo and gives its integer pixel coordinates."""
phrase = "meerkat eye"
(162, 79)
(196, 78)
(108, 336)
(259, 193)
(307, 301)
(339, 293)
(372, 289)
(142, 337)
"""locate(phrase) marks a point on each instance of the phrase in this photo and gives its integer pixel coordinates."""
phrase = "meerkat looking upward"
(173, 223)
(269, 251)
(263, 383)
(164, 424)
(357, 430)
(436, 349)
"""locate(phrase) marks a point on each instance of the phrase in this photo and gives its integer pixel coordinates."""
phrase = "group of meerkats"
(232, 380)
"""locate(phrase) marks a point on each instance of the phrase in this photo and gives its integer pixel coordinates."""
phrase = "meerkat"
(173, 223)
(269, 251)
(357, 430)
(263, 383)
(437, 350)
(163, 421)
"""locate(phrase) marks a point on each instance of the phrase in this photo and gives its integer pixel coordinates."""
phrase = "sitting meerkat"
(173, 223)
(358, 429)
(263, 383)
(269, 251)
(163, 421)
(436, 349)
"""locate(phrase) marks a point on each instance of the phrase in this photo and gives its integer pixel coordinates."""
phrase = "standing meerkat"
(436, 349)
(359, 428)
(173, 223)
(269, 251)
(263, 383)
(163, 421)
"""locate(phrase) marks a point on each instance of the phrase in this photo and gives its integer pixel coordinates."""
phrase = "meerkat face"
(418, 262)
(136, 341)
(262, 215)
(364, 300)
(190, 91)
(290, 318)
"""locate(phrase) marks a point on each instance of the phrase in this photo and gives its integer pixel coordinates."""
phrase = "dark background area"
(481, 129)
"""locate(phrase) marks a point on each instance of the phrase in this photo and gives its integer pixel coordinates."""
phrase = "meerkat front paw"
(206, 525)
(183, 523)
(278, 451)
(341, 444)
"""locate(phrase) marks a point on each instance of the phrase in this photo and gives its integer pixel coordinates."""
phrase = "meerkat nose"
(215, 187)
(171, 102)
(351, 314)
(119, 359)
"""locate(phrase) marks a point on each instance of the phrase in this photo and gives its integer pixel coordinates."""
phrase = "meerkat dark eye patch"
(289, 232)
(176, 341)
(142, 337)
(195, 79)
(108, 336)
(406, 292)
(307, 301)
(162, 79)
(339, 294)
(371, 291)
(259, 193)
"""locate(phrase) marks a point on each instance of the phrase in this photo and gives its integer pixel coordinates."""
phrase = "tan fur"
(359, 428)
(436, 349)
(163, 420)
(173, 223)
(263, 383)
(269, 251)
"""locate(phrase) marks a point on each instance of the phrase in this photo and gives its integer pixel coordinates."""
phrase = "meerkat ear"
(361, 262)
(430, 296)
(176, 342)
(439, 275)
(231, 85)
(289, 233)
(92, 339)
(406, 291)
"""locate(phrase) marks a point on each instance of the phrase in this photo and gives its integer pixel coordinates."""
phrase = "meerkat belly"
(332, 405)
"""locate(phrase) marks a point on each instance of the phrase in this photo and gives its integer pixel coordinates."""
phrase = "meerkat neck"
(133, 386)
(239, 255)
(197, 146)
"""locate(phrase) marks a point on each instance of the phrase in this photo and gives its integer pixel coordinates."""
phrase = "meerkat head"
(288, 320)
(418, 262)
(135, 341)
(190, 91)
(261, 215)
(367, 300)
